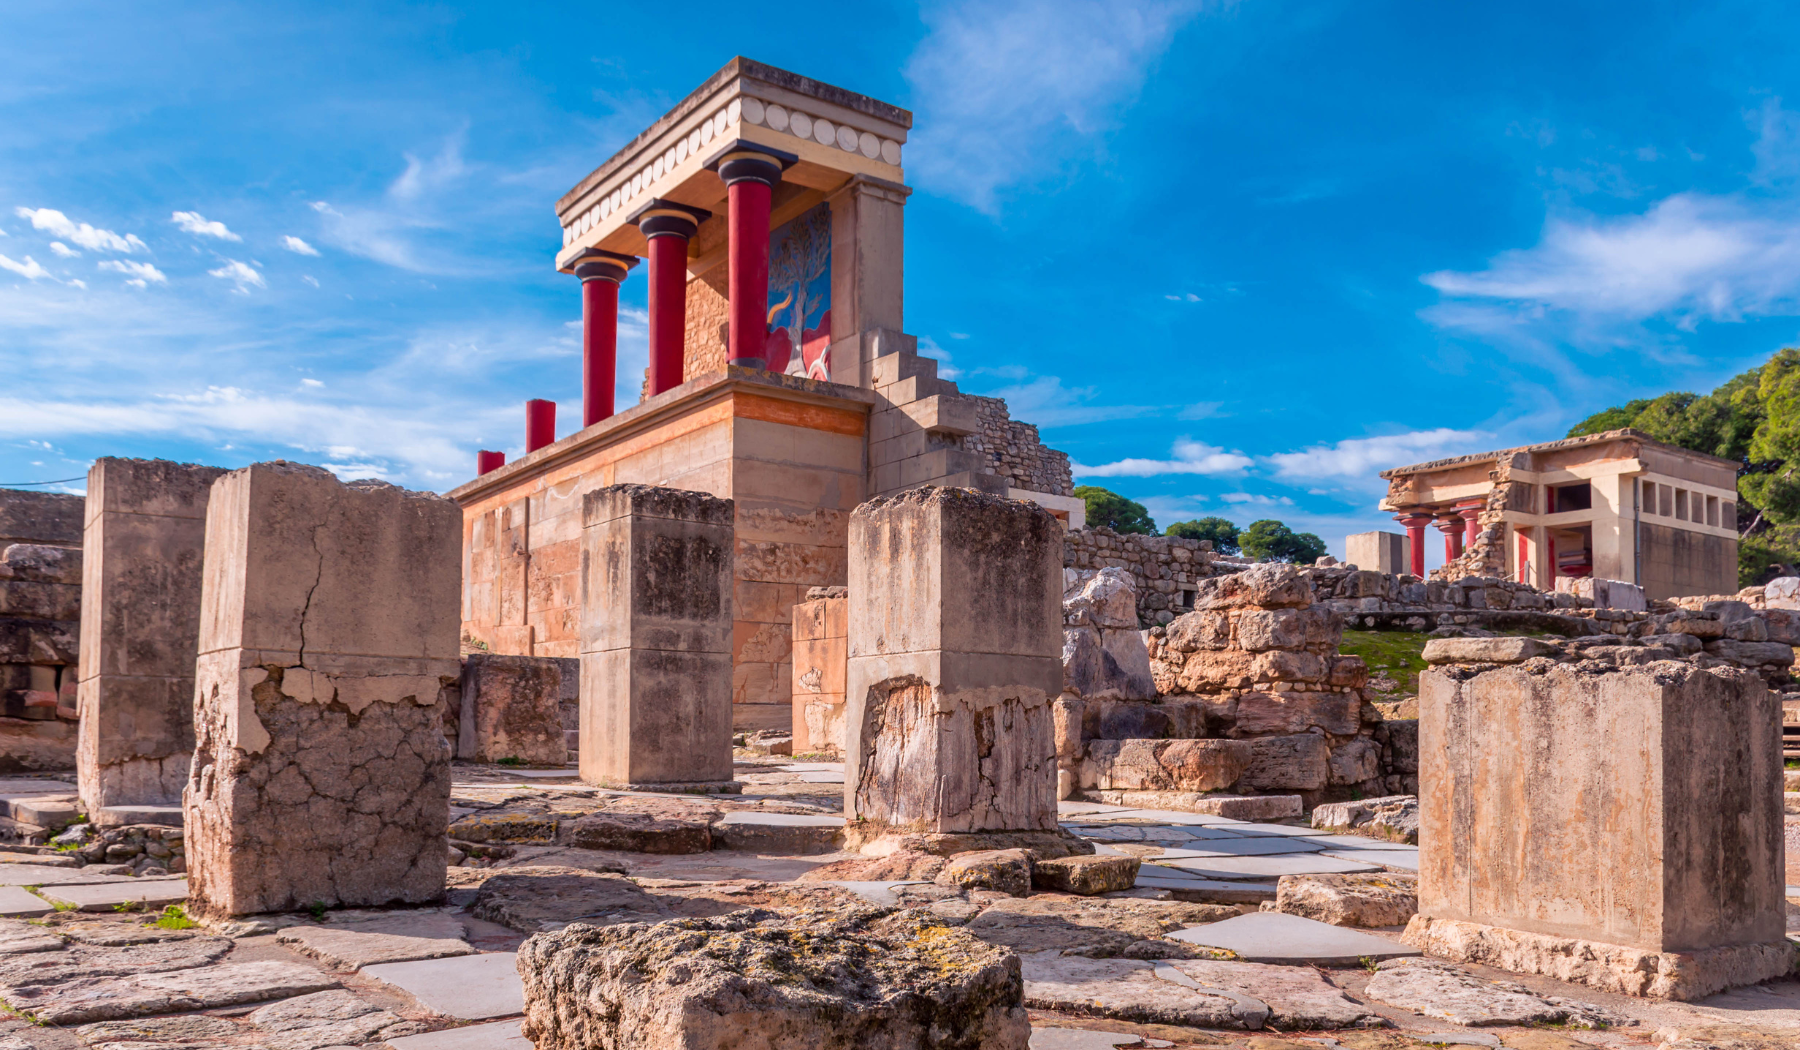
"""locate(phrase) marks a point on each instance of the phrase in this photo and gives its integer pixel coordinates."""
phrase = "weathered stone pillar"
(656, 574)
(955, 640)
(328, 640)
(140, 624)
(1617, 828)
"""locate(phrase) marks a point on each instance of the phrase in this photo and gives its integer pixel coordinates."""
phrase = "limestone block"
(1782, 592)
(1268, 586)
(1384, 899)
(656, 637)
(40, 517)
(1102, 598)
(1005, 871)
(1128, 720)
(1301, 762)
(955, 633)
(512, 709)
(1356, 761)
(1485, 650)
(1101, 663)
(1659, 831)
(1086, 876)
(1376, 552)
(328, 640)
(140, 629)
(865, 981)
(1164, 765)
(1752, 654)
(1194, 631)
(1261, 714)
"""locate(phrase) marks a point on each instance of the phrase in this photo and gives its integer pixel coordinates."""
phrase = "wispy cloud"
(198, 225)
(29, 269)
(1255, 499)
(63, 250)
(136, 273)
(298, 246)
(1046, 402)
(92, 238)
(1008, 88)
(1188, 457)
(1360, 459)
(240, 274)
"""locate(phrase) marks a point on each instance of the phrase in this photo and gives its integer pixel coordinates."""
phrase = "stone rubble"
(1387, 899)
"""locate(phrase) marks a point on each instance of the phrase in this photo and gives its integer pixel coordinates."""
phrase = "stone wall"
(1166, 569)
(40, 613)
(1014, 451)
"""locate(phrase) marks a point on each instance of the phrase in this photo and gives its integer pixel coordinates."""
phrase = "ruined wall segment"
(328, 644)
(40, 609)
(821, 640)
(1650, 863)
(657, 569)
(140, 630)
(955, 630)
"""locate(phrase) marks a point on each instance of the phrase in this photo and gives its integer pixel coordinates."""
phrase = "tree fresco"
(800, 296)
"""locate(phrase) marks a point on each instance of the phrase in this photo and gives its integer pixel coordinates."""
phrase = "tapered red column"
(668, 227)
(487, 461)
(540, 424)
(1471, 516)
(600, 274)
(750, 179)
(1452, 528)
(1415, 540)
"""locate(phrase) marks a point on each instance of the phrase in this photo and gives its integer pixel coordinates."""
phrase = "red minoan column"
(600, 273)
(1415, 538)
(750, 177)
(1452, 528)
(668, 227)
(540, 424)
(487, 462)
(1470, 513)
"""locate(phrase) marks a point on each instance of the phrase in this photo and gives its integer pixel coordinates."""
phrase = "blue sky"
(1233, 258)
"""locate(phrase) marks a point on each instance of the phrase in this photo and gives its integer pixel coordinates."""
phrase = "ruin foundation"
(657, 568)
(955, 633)
(140, 628)
(1650, 863)
(328, 643)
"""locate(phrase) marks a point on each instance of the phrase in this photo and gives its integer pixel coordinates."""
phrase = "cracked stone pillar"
(328, 642)
(656, 577)
(140, 622)
(955, 654)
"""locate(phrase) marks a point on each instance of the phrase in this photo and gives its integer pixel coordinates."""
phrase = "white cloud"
(1360, 459)
(315, 383)
(29, 269)
(139, 274)
(1047, 403)
(239, 274)
(77, 282)
(1252, 499)
(310, 279)
(63, 250)
(81, 233)
(1190, 457)
(198, 225)
(295, 244)
(1005, 87)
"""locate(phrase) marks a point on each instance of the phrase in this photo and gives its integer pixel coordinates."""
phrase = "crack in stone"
(306, 608)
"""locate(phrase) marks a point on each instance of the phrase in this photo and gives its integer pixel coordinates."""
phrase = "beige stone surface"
(1005, 871)
(328, 640)
(113, 998)
(140, 627)
(1387, 899)
(820, 659)
(1087, 876)
(656, 637)
(512, 706)
(955, 629)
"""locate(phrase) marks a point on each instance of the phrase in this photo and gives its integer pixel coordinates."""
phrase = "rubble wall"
(40, 613)
(1166, 569)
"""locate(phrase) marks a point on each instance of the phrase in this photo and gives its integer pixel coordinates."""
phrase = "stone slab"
(470, 987)
(782, 820)
(1270, 829)
(1338, 843)
(881, 893)
(1446, 993)
(1085, 1039)
(115, 816)
(22, 903)
(497, 1035)
(46, 811)
(44, 875)
(1271, 867)
(35, 787)
(153, 894)
(813, 767)
(1261, 846)
(1274, 937)
(1171, 816)
(1400, 860)
(1220, 890)
(141, 995)
(543, 774)
(822, 778)
(403, 938)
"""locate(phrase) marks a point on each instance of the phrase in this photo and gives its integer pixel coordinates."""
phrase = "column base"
(1684, 976)
(690, 787)
(760, 363)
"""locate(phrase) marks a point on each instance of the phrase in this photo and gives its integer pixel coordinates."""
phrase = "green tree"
(1270, 540)
(1222, 533)
(1115, 511)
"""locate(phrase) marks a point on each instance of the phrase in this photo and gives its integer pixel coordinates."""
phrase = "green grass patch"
(509, 760)
(1394, 655)
(175, 918)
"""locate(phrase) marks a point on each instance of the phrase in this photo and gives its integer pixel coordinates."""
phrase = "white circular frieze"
(753, 110)
(681, 151)
(801, 124)
(777, 118)
(890, 152)
(720, 123)
(868, 145)
(824, 132)
(734, 112)
(706, 133)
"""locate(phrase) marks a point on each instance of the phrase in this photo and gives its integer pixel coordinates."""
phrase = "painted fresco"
(800, 296)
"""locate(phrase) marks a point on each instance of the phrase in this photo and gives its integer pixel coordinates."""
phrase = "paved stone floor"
(1135, 968)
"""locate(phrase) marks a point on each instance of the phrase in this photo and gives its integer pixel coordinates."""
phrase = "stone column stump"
(1619, 828)
(328, 646)
(656, 572)
(955, 654)
(140, 628)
